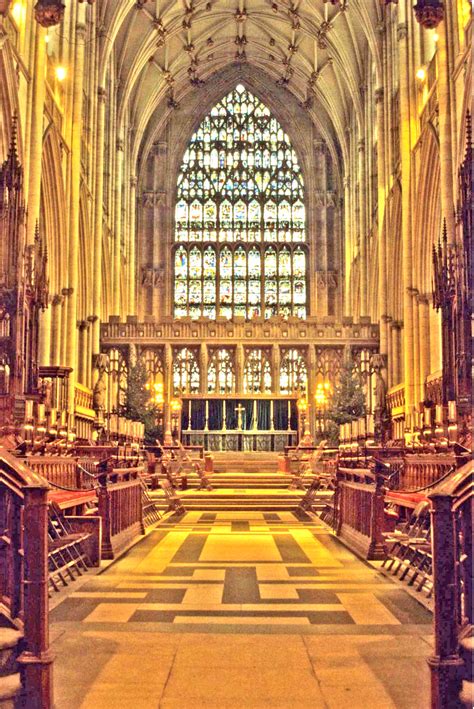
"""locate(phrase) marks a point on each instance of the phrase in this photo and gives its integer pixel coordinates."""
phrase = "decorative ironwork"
(240, 182)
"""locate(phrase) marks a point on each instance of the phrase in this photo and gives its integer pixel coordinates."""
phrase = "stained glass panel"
(240, 182)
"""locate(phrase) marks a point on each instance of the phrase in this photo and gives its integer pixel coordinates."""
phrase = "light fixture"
(61, 73)
(435, 36)
(421, 74)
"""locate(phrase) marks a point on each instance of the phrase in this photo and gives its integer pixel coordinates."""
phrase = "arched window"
(221, 373)
(257, 372)
(293, 372)
(185, 371)
(240, 189)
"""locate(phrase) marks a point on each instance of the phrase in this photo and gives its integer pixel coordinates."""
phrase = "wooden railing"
(24, 575)
(82, 397)
(359, 509)
(452, 505)
(64, 472)
(121, 508)
(417, 471)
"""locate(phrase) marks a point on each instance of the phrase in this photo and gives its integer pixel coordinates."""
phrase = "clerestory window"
(240, 223)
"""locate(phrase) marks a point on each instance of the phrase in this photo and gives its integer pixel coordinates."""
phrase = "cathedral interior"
(236, 354)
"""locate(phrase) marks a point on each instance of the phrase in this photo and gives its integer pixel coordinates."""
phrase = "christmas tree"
(138, 404)
(346, 404)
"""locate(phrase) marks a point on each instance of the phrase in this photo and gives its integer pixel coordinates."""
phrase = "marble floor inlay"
(261, 580)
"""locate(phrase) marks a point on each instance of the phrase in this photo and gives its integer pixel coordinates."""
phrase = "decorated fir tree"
(346, 404)
(138, 405)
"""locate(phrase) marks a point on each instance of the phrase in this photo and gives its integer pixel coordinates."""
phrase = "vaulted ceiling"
(162, 49)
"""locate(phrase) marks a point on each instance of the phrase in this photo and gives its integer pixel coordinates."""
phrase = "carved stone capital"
(67, 291)
(101, 94)
(402, 31)
(57, 299)
(378, 95)
(120, 145)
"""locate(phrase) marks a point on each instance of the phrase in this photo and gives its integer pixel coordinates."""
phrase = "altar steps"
(245, 462)
(235, 500)
(251, 481)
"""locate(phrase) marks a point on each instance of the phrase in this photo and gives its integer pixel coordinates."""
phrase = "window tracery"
(186, 378)
(293, 372)
(221, 372)
(240, 217)
(257, 372)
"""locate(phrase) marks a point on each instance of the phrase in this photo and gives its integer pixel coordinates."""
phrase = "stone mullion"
(34, 153)
(363, 276)
(132, 275)
(445, 101)
(276, 364)
(239, 368)
(382, 227)
(73, 256)
(407, 245)
(97, 305)
(117, 250)
(203, 367)
(424, 332)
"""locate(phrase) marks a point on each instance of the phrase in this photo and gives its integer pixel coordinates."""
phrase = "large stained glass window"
(240, 224)
(293, 372)
(185, 371)
(257, 372)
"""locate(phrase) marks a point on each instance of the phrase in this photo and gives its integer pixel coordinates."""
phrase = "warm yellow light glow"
(302, 405)
(17, 12)
(61, 73)
(421, 74)
(175, 405)
(47, 38)
(435, 36)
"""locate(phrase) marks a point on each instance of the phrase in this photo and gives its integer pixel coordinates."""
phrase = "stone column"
(82, 352)
(348, 253)
(276, 364)
(407, 263)
(239, 368)
(382, 233)
(320, 261)
(363, 285)
(38, 87)
(117, 258)
(132, 275)
(416, 346)
(98, 207)
(71, 337)
(168, 387)
(66, 292)
(445, 107)
(424, 332)
(44, 340)
(90, 369)
(56, 308)
(203, 367)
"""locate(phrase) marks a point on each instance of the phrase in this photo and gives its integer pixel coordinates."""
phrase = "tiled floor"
(241, 610)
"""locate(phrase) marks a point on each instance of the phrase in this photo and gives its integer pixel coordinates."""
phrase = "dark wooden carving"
(452, 295)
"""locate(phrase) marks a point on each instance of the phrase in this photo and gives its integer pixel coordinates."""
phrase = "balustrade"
(121, 508)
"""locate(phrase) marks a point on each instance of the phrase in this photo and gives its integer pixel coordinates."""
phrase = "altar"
(251, 424)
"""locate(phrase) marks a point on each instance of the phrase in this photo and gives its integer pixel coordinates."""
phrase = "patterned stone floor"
(241, 610)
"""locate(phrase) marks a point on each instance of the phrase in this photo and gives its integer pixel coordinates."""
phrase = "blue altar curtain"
(198, 414)
(280, 415)
(263, 415)
(216, 420)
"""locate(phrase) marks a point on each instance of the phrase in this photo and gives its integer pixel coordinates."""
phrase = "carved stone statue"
(98, 395)
(47, 394)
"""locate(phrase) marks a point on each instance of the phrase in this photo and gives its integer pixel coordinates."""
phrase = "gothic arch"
(8, 102)
(163, 150)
